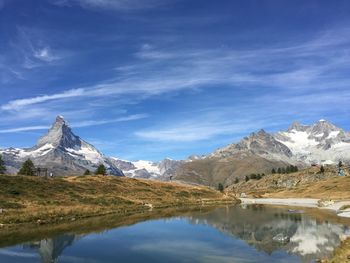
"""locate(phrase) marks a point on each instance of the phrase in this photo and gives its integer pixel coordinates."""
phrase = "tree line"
(28, 168)
(285, 170)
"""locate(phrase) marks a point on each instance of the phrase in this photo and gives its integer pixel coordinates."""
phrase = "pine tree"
(2, 166)
(246, 178)
(273, 171)
(87, 172)
(220, 187)
(236, 181)
(288, 170)
(101, 170)
(322, 169)
(279, 170)
(340, 164)
(27, 168)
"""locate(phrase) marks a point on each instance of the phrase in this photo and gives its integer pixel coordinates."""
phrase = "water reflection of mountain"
(50, 249)
(258, 225)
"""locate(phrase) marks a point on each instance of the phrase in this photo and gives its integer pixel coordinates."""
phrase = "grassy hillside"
(32, 199)
(308, 183)
(212, 171)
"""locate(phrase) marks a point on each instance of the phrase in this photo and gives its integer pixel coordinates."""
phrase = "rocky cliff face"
(61, 151)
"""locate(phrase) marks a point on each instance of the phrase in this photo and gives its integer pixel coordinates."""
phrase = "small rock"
(73, 219)
(150, 206)
(281, 238)
(2, 225)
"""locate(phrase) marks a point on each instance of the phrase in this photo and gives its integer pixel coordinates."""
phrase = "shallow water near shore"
(226, 234)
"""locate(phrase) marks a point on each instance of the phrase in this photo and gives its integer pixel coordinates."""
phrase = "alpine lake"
(238, 233)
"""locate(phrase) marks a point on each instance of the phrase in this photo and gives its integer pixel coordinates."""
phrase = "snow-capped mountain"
(321, 142)
(260, 143)
(162, 170)
(300, 145)
(61, 151)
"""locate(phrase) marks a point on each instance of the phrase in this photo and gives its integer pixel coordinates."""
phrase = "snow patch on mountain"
(321, 142)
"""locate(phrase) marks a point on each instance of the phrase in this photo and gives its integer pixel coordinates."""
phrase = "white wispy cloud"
(289, 68)
(21, 103)
(199, 127)
(24, 129)
(45, 54)
(79, 124)
(101, 122)
(120, 5)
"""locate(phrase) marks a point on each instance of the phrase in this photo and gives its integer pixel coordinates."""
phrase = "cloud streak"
(80, 124)
(117, 5)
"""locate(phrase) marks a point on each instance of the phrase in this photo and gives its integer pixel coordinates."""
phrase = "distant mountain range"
(301, 145)
(64, 153)
(61, 151)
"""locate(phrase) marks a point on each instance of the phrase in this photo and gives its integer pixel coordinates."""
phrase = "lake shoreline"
(26, 200)
(341, 253)
(333, 205)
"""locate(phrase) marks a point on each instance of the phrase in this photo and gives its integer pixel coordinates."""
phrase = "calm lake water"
(226, 234)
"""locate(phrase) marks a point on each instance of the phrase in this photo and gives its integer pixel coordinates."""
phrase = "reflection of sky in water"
(224, 235)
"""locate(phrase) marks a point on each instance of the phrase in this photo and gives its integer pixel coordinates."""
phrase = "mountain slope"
(257, 153)
(301, 145)
(61, 151)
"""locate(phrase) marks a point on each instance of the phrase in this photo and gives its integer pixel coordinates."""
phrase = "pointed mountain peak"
(297, 126)
(323, 125)
(260, 133)
(60, 134)
(60, 119)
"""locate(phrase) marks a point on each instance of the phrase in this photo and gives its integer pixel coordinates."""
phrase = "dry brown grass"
(341, 254)
(335, 188)
(308, 183)
(32, 199)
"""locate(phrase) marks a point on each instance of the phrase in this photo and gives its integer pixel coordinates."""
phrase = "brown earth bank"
(308, 183)
(32, 200)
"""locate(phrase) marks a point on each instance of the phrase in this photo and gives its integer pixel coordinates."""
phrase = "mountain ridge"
(259, 152)
(300, 145)
(60, 150)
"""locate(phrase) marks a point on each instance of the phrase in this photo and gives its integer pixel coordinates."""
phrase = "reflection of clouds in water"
(311, 238)
(204, 252)
(186, 250)
(8, 252)
(73, 259)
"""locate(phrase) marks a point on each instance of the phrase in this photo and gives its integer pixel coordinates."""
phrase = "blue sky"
(148, 79)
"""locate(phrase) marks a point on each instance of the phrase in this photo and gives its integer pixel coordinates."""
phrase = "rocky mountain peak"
(323, 126)
(297, 126)
(60, 135)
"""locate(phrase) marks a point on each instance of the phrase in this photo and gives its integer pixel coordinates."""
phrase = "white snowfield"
(302, 202)
(321, 142)
(151, 167)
